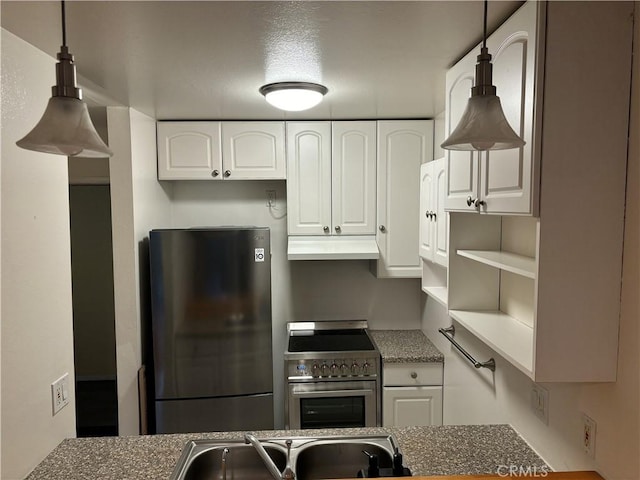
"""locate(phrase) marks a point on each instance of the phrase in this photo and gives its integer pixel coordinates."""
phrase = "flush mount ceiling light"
(65, 127)
(293, 96)
(483, 125)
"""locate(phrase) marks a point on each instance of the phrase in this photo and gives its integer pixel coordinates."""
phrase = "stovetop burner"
(330, 341)
(329, 336)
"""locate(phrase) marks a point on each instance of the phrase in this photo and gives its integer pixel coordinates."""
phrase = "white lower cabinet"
(412, 394)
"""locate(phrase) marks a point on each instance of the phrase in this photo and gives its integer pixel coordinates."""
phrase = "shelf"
(332, 247)
(439, 294)
(510, 262)
(509, 337)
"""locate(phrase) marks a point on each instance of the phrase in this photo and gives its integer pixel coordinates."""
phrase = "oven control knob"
(325, 369)
(365, 368)
(355, 368)
(315, 370)
(344, 369)
(334, 369)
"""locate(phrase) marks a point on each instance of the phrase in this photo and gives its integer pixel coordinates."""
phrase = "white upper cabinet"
(221, 150)
(309, 178)
(462, 167)
(189, 150)
(353, 184)
(403, 146)
(434, 220)
(331, 184)
(543, 291)
(499, 181)
(253, 150)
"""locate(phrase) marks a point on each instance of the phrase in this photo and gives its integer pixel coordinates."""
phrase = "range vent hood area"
(347, 247)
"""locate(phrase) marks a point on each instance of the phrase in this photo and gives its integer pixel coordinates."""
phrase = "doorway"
(93, 310)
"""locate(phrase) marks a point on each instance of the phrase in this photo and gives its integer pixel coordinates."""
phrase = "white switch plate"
(540, 403)
(60, 393)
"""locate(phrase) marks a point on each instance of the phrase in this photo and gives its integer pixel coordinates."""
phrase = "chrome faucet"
(287, 474)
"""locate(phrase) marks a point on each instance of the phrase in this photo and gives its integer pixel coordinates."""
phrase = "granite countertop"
(405, 346)
(433, 450)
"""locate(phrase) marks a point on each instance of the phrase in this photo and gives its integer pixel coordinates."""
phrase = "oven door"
(332, 404)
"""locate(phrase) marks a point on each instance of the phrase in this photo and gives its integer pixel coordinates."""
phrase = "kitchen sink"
(202, 459)
(311, 457)
(339, 458)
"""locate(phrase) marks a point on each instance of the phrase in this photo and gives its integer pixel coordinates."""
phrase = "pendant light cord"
(64, 27)
(484, 36)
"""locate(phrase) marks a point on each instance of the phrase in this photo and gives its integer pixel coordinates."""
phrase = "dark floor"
(96, 408)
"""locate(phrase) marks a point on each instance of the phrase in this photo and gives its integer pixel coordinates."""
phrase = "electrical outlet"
(540, 403)
(589, 435)
(60, 393)
(271, 198)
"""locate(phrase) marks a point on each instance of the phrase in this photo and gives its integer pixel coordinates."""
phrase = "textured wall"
(37, 335)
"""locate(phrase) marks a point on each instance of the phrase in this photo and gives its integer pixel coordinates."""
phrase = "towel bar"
(449, 332)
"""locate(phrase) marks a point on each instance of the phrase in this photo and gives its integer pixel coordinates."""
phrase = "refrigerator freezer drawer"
(252, 412)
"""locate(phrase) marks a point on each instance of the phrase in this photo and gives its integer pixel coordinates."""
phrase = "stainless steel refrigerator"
(211, 329)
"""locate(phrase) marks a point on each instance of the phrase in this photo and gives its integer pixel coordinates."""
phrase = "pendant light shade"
(483, 125)
(293, 96)
(65, 127)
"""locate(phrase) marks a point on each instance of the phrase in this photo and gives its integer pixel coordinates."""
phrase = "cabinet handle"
(338, 229)
(215, 173)
(476, 202)
(326, 229)
(227, 173)
(433, 216)
(414, 375)
(427, 214)
(382, 228)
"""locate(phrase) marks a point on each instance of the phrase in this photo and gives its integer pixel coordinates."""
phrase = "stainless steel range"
(333, 375)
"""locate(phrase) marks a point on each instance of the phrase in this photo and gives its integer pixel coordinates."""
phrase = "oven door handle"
(333, 393)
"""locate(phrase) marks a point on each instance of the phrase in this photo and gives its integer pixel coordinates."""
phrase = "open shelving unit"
(491, 290)
(434, 282)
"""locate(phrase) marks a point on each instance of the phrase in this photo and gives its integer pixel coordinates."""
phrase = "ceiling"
(207, 59)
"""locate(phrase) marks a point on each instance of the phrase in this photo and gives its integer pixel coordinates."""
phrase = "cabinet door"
(426, 221)
(441, 227)
(353, 187)
(189, 151)
(411, 406)
(403, 146)
(253, 150)
(462, 167)
(508, 176)
(309, 178)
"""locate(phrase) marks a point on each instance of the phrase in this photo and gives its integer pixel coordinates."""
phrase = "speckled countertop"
(405, 346)
(434, 450)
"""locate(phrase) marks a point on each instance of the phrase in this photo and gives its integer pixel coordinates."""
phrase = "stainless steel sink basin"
(311, 457)
(339, 459)
(203, 459)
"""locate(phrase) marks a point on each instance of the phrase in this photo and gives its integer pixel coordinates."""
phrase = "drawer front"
(412, 374)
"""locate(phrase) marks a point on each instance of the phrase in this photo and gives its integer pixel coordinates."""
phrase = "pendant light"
(483, 125)
(65, 127)
(293, 96)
